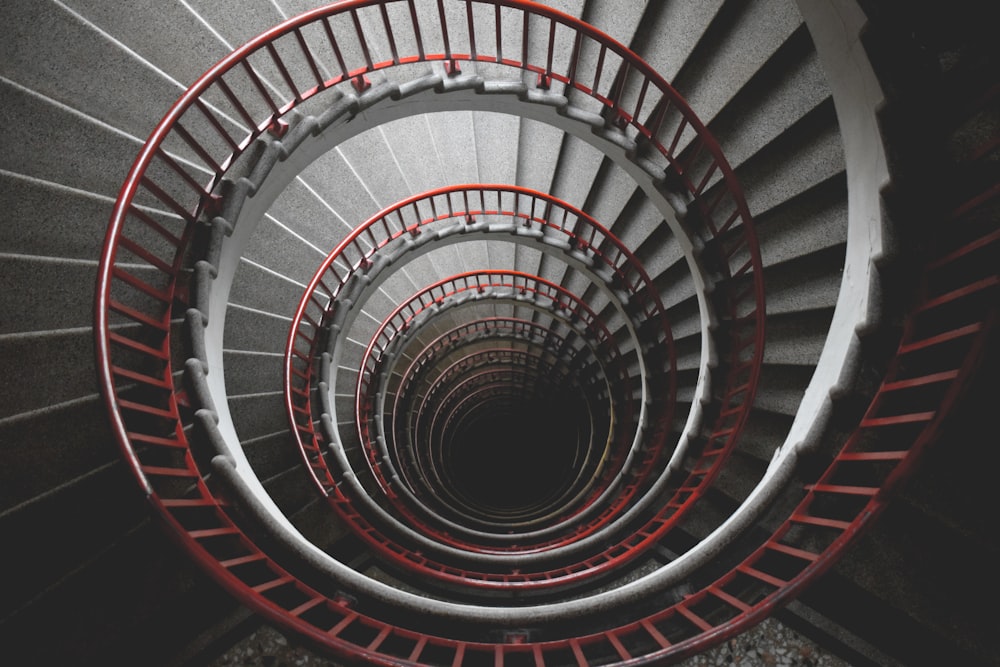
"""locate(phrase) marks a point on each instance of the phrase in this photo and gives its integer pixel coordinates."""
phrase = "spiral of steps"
(467, 332)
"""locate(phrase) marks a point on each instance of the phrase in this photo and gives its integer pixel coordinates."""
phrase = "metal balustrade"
(167, 430)
(587, 241)
(495, 283)
(533, 372)
(416, 382)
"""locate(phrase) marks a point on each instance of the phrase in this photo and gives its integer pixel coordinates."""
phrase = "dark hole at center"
(514, 457)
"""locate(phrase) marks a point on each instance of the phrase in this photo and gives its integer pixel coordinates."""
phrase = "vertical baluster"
(677, 137)
(656, 118)
(524, 40)
(214, 122)
(472, 29)
(417, 219)
(197, 148)
(450, 66)
(307, 52)
(616, 92)
(499, 31)
(402, 222)
(160, 194)
(434, 211)
(545, 81)
(235, 101)
(259, 85)
(708, 175)
(574, 58)
(636, 113)
(280, 64)
(388, 32)
(328, 29)
(599, 69)
(416, 29)
(362, 40)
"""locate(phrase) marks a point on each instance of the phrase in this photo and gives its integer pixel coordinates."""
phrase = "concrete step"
(54, 301)
(58, 34)
(781, 388)
(796, 339)
(54, 142)
(291, 489)
(619, 25)
(52, 220)
(433, 150)
(765, 431)
(789, 85)
(272, 454)
(137, 584)
(310, 208)
(806, 154)
(493, 134)
(739, 41)
(538, 150)
(41, 454)
(170, 37)
(809, 282)
(637, 221)
(259, 288)
(370, 157)
(275, 246)
(258, 414)
(63, 530)
(252, 372)
(46, 370)
(255, 330)
(610, 192)
(811, 221)
(575, 173)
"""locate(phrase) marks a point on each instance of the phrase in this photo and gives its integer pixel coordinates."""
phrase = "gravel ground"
(770, 644)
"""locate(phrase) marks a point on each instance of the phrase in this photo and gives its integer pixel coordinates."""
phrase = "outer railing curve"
(176, 176)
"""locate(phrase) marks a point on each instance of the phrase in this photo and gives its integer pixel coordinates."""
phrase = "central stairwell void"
(553, 329)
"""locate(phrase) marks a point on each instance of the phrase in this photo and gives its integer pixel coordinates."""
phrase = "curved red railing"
(505, 359)
(488, 329)
(562, 224)
(475, 382)
(502, 280)
(198, 126)
(391, 225)
(173, 186)
(396, 324)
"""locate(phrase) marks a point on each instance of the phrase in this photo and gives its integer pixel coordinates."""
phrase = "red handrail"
(493, 328)
(392, 326)
(150, 429)
(406, 219)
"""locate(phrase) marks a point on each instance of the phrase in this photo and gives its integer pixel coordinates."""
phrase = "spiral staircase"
(497, 332)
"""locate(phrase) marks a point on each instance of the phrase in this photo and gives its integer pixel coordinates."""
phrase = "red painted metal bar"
(382, 220)
(407, 312)
(410, 313)
(477, 330)
(164, 502)
(463, 398)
